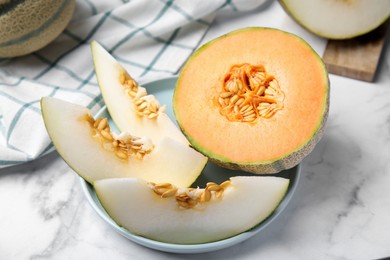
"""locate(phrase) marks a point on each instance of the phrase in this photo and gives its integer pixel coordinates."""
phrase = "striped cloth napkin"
(150, 38)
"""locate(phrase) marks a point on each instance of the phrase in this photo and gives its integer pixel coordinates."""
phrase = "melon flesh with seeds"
(245, 203)
(73, 137)
(121, 106)
(256, 99)
(338, 19)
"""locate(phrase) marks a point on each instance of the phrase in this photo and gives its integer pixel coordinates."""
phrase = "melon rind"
(170, 161)
(245, 203)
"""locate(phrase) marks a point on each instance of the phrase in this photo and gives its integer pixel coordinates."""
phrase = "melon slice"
(256, 99)
(187, 216)
(91, 152)
(338, 19)
(130, 107)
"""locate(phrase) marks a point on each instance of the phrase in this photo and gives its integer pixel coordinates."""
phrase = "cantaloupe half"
(90, 148)
(129, 104)
(256, 99)
(186, 216)
(338, 19)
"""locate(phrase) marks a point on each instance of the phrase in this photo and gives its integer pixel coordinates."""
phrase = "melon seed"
(121, 154)
(244, 88)
(106, 135)
(186, 198)
(169, 193)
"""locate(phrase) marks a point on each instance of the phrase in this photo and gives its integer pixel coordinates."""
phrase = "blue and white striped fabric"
(150, 38)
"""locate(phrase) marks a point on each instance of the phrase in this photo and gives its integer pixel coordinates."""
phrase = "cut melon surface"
(255, 99)
(110, 73)
(245, 203)
(334, 19)
(73, 138)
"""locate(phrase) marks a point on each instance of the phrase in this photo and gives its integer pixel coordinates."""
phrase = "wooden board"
(356, 58)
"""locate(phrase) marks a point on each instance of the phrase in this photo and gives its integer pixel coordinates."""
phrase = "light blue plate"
(163, 91)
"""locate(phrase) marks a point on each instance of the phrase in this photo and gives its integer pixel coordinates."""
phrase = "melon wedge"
(111, 76)
(245, 202)
(338, 19)
(72, 135)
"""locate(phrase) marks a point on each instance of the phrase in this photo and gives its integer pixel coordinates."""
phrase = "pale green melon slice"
(246, 202)
(121, 105)
(73, 138)
(338, 19)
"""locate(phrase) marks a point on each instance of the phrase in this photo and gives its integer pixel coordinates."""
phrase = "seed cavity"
(188, 198)
(123, 145)
(143, 104)
(248, 93)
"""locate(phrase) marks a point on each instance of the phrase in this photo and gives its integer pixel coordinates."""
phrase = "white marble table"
(341, 209)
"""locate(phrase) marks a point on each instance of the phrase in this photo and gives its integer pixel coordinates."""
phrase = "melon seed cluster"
(123, 148)
(249, 93)
(145, 105)
(190, 197)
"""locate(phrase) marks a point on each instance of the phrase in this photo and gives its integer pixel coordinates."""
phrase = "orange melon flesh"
(301, 76)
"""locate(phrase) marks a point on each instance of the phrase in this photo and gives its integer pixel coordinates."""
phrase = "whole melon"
(27, 26)
(256, 99)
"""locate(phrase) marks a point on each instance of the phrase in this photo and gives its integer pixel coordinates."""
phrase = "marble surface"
(341, 209)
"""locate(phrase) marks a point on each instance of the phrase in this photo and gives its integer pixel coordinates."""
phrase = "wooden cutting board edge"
(357, 58)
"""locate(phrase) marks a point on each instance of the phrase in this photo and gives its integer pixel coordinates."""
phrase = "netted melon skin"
(31, 25)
